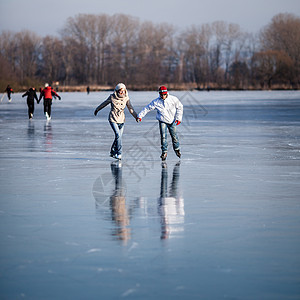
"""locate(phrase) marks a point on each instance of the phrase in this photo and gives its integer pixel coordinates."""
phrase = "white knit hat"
(46, 84)
(120, 86)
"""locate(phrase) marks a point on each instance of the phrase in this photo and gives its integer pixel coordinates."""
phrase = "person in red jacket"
(47, 94)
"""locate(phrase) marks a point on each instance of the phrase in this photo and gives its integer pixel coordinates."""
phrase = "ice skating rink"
(221, 223)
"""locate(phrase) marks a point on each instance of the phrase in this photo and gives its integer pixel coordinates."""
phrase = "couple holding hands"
(169, 115)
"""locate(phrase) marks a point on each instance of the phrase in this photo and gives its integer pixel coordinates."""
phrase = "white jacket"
(168, 110)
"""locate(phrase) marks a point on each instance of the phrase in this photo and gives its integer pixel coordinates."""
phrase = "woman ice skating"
(169, 114)
(47, 93)
(31, 95)
(118, 100)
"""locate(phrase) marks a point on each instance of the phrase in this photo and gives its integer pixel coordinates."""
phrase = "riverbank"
(150, 87)
(172, 86)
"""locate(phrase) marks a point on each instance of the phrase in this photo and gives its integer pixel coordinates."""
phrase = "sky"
(47, 17)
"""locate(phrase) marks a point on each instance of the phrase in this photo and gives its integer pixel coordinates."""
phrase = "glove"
(139, 119)
(95, 112)
(177, 122)
(59, 97)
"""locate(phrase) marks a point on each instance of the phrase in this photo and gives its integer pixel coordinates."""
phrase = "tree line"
(103, 50)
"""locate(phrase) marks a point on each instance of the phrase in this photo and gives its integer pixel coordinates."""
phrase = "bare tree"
(122, 40)
(228, 44)
(52, 67)
(283, 34)
(103, 29)
(7, 46)
(194, 48)
(79, 33)
(155, 53)
(272, 66)
(20, 50)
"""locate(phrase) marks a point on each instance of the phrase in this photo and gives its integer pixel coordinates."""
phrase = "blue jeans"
(116, 147)
(163, 136)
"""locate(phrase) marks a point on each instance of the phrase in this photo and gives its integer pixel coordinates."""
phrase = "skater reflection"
(30, 129)
(119, 211)
(48, 136)
(31, 136)
(170, 208)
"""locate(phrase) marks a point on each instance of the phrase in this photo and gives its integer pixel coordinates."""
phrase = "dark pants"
(47, 106)
(30, 109)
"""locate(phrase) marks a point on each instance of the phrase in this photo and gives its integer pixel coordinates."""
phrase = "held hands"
(139, 120)
(177, 122)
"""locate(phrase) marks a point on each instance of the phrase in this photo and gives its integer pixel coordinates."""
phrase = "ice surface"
(222, 223)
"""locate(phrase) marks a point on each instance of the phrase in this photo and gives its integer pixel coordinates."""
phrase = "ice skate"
(164, 156)
(118, 156)
(47, 116)
(178, 153)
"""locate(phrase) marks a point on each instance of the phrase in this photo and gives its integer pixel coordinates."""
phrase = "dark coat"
(31, 95)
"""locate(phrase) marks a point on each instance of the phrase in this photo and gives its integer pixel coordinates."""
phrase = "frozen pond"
(222, 223)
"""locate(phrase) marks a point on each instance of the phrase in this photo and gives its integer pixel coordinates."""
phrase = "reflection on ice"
(31, 136)
(171, 203)
(48, 136)
(110, 193)
(119, 210)
(30, 129)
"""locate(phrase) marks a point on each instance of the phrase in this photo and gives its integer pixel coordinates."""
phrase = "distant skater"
(118, 100)
(169, 114)
(47, 94)
(9, 91)
(31, 95)
(88, 90)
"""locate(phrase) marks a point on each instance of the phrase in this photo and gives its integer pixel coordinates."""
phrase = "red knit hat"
(163, 90)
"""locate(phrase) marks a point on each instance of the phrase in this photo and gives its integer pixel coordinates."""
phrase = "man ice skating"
(169, 114)
(31, 95)
(47, 93)
(9, 91)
